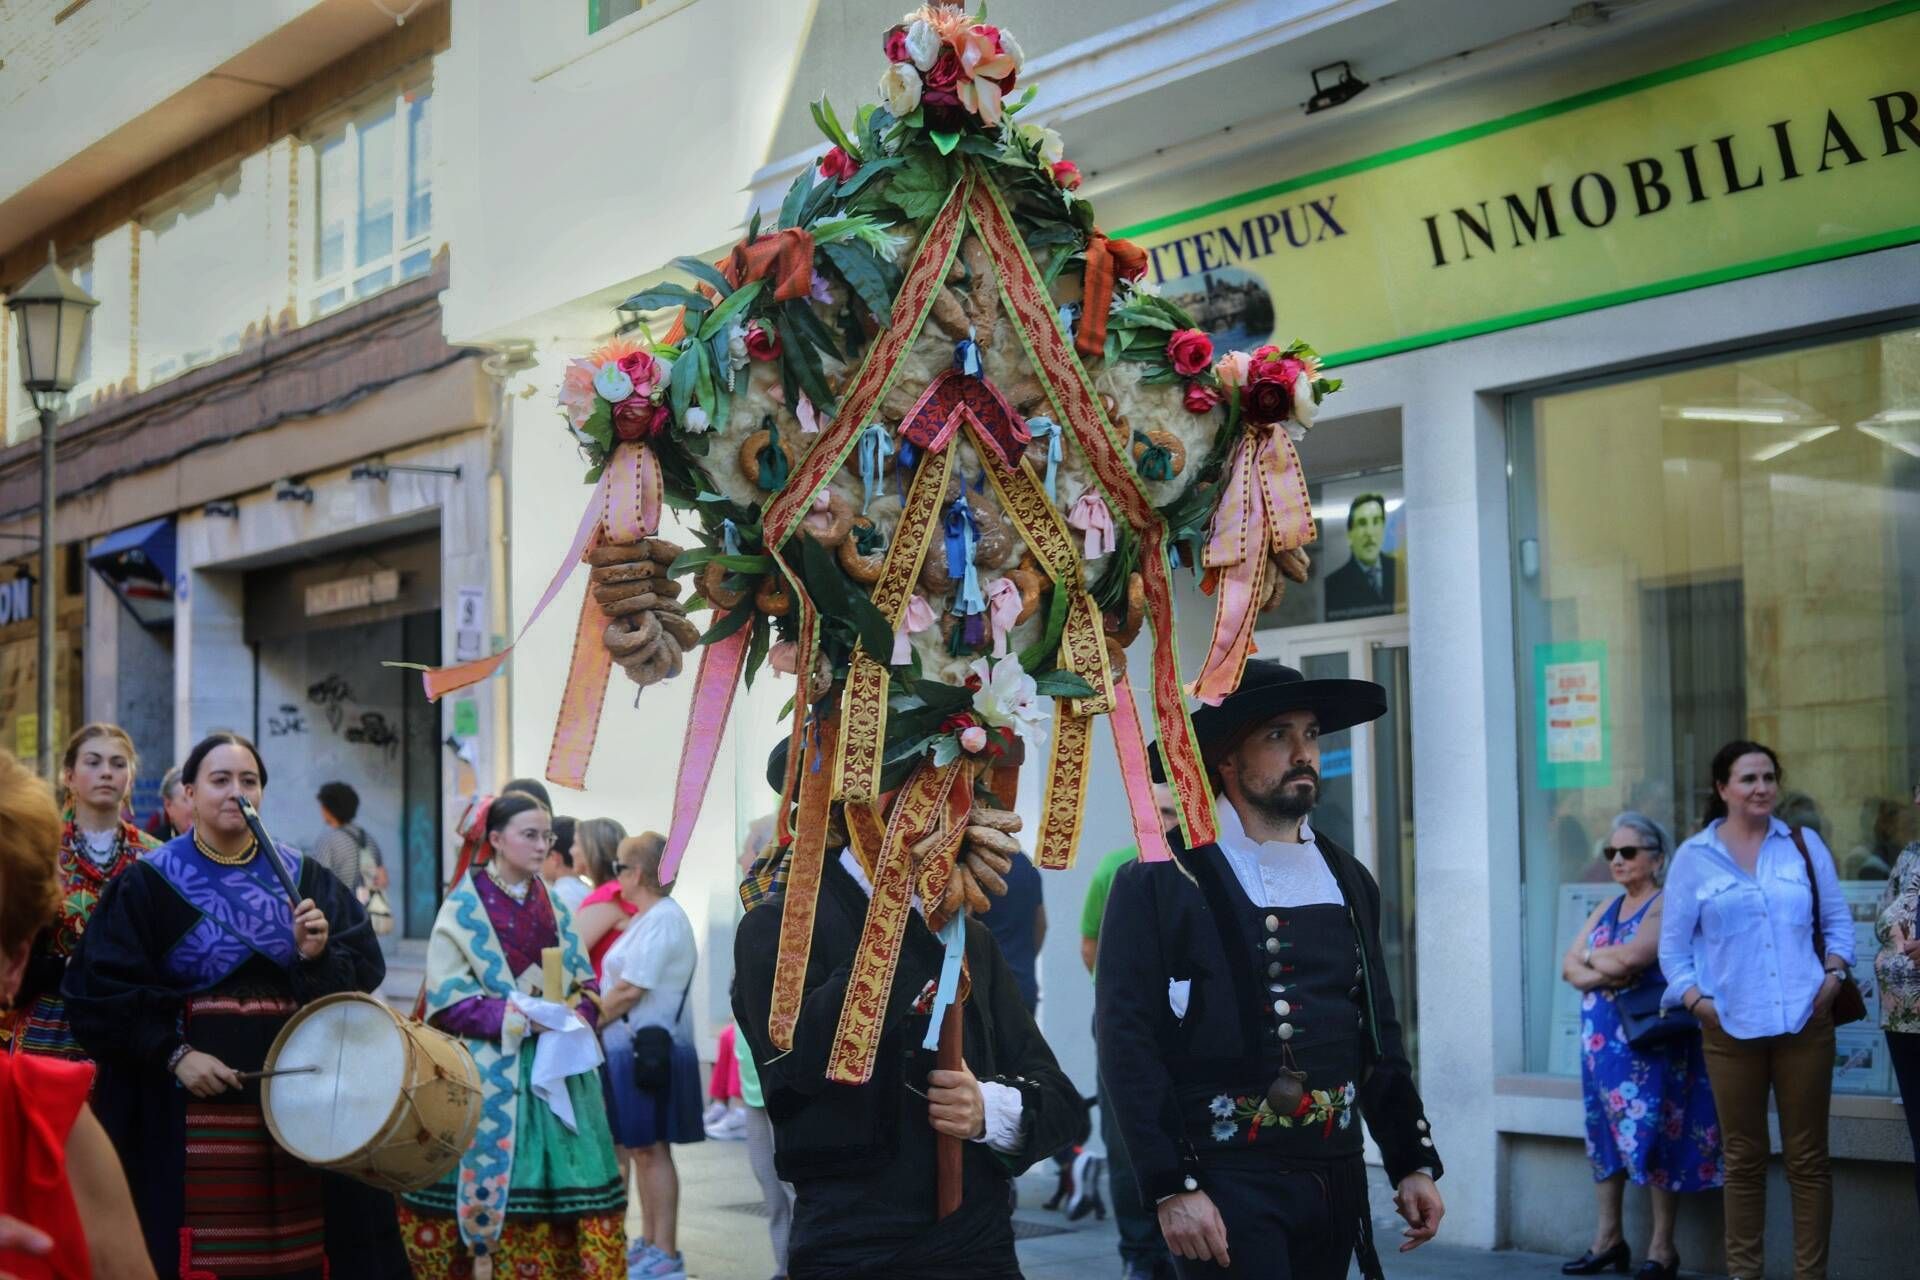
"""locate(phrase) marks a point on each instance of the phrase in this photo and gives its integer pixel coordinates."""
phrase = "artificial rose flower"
(1011, 47)
(1067, 175)
(837, 165)
(895, 45)
(923, 45)
(1304, 407)
(989, 73)
(1266, 402)
(697, 420)
(1048, 142)
(643, 370)
(737, 345)
(1232, 369)
(973, 739)
(946, 71)
(637, 418)
(1007, 697)
(1267, 371)
(944, 111)
(762, 343)
(577, 395)
(1200, 398)
(784, 657)
(1268, 352)
(900, 86)
(1190, 351)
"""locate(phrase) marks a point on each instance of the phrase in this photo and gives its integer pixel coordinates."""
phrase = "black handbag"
(1848, 1004)
(653, 1050)
(1649, 1026)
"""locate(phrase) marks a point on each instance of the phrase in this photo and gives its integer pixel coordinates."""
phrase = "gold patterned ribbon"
(1077, 406)
(803, 891)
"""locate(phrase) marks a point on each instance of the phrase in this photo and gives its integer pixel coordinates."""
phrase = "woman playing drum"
(193, 961)
(536, 1195)
(97, 843)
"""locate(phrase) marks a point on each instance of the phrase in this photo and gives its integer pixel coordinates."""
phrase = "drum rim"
(279, 1043)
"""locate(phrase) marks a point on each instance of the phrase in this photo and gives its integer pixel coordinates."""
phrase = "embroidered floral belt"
(1323, 1120)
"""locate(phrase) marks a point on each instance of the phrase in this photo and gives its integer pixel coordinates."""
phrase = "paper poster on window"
(1577, 902)
(1860, 1063)
(1570, 685)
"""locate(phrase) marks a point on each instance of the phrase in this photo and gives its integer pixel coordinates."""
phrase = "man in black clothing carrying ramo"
(861, 1158)
(1248, 1017)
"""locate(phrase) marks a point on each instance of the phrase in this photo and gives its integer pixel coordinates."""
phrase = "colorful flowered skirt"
(566, 1200)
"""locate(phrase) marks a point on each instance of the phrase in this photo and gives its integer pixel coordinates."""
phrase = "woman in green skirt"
(538, 1193)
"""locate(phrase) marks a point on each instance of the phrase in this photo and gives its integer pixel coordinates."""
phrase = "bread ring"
(631, 606)
(608, 592)
(1295, 563)
(676, 625)
(979, 837)
(949, 314)
(830, 527)
(1176, 451)
(993, 819)
(983, 296)
(1276, 591)
(1109, 406)
(900, 400)
(627, 637)
(657, 550)
(751, 448)
(1033, 585)
(1026, 395)
(997, 541)
(935, 582)
(1116, 658)
(773, 597)
(636, 571)
(988, 879)
(864, 569)
(713, 586)
(977, 900)
(987, 857)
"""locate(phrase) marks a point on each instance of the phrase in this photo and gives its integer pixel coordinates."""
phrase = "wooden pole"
(947, 1148)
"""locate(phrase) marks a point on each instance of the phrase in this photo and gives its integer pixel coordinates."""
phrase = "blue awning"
(138, 563)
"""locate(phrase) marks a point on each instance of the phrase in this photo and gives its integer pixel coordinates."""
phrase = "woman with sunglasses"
(1756, 942)
(1650, 1114)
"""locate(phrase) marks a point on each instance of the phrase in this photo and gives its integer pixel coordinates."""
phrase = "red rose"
(896, 45)
(1191, 351)
(1268, 371)
(945, 73)
(1067, 174)
(1268, 352)
(637, 418)
(944, 112)
(1291, 367)
(1266, 402)
(837, 165)
(762, 343)
(1200, 398)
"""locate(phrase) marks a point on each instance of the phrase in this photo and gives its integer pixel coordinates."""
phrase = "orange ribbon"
(784, 257)
(1263, 511)
(1106, 258)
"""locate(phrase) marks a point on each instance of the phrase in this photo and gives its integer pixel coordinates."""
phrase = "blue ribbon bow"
(1044, 428)
(876, 442)
(966, 355)
(729, 538)
(962, 535)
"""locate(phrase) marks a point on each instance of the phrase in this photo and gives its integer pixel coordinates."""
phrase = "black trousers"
(1904, 1048)
(1281, 1225)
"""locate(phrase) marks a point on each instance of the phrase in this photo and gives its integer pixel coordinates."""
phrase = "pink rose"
(1268, 371)
(1200, 398)
(1266, 402)
(637, 418)
(1268, 352)
(945, 72)
(641, 368)
(784, 657)
(837, 165)
(762, 342)
(1067, 175)
(973, 739)
(1191, 351)
(896, 45)
(1232, 369)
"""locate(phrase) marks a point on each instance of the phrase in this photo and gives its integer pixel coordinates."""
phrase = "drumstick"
(277, 1071)
(269, 849)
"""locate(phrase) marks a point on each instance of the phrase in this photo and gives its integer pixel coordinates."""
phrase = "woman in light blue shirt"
(1755, 942)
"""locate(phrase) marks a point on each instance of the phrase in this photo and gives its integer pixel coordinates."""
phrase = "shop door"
(1366, 777)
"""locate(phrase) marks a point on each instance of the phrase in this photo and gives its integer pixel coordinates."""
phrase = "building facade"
(276, 479)
(1627, 463)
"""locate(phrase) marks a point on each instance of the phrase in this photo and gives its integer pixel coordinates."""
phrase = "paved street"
(724, 1237)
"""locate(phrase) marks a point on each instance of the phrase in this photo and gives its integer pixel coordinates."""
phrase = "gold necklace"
(225, 859)
(518, 892)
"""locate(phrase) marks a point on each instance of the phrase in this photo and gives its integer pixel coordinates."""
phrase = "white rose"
(900, 86)
(923, 45)
(1053, 149)
(697, 420)
(1303, 406)
(1011, 47)
(737, 346)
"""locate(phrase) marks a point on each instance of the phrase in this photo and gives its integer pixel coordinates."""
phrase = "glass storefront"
(1702, 553)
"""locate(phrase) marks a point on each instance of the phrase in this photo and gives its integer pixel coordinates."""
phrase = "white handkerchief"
(566, 1047)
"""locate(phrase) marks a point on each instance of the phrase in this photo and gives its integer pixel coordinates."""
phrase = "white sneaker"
(731, 1127)
(714, 1112)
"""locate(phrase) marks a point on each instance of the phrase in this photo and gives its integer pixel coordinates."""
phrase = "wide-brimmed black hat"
(1268, 688)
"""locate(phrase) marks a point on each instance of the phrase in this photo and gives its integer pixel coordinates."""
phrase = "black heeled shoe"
(1592, 1264)
(1654, 1269)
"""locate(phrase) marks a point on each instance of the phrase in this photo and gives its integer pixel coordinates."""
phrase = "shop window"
(1703, 553)
(373, 219)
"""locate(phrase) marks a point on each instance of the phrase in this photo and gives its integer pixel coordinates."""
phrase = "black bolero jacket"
(1164, 921)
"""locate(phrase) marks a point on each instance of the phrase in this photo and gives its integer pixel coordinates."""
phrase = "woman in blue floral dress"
(1650, 1116)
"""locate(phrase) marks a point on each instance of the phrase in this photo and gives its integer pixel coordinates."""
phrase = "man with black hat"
(861, 1158)
(1248, 1017)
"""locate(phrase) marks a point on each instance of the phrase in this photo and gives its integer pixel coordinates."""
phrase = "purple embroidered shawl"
(243, 912)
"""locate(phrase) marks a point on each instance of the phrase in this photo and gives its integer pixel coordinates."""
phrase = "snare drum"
(394, 1103)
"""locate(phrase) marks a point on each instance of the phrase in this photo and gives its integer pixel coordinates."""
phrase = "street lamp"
(50, 311)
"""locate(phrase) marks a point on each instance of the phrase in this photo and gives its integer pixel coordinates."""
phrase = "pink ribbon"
(720, 666)
(1263, 511)
(918, 617)
(1130, 744)
(810, 419)
(1091, 517)
(1003, 609)
(625, 507)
